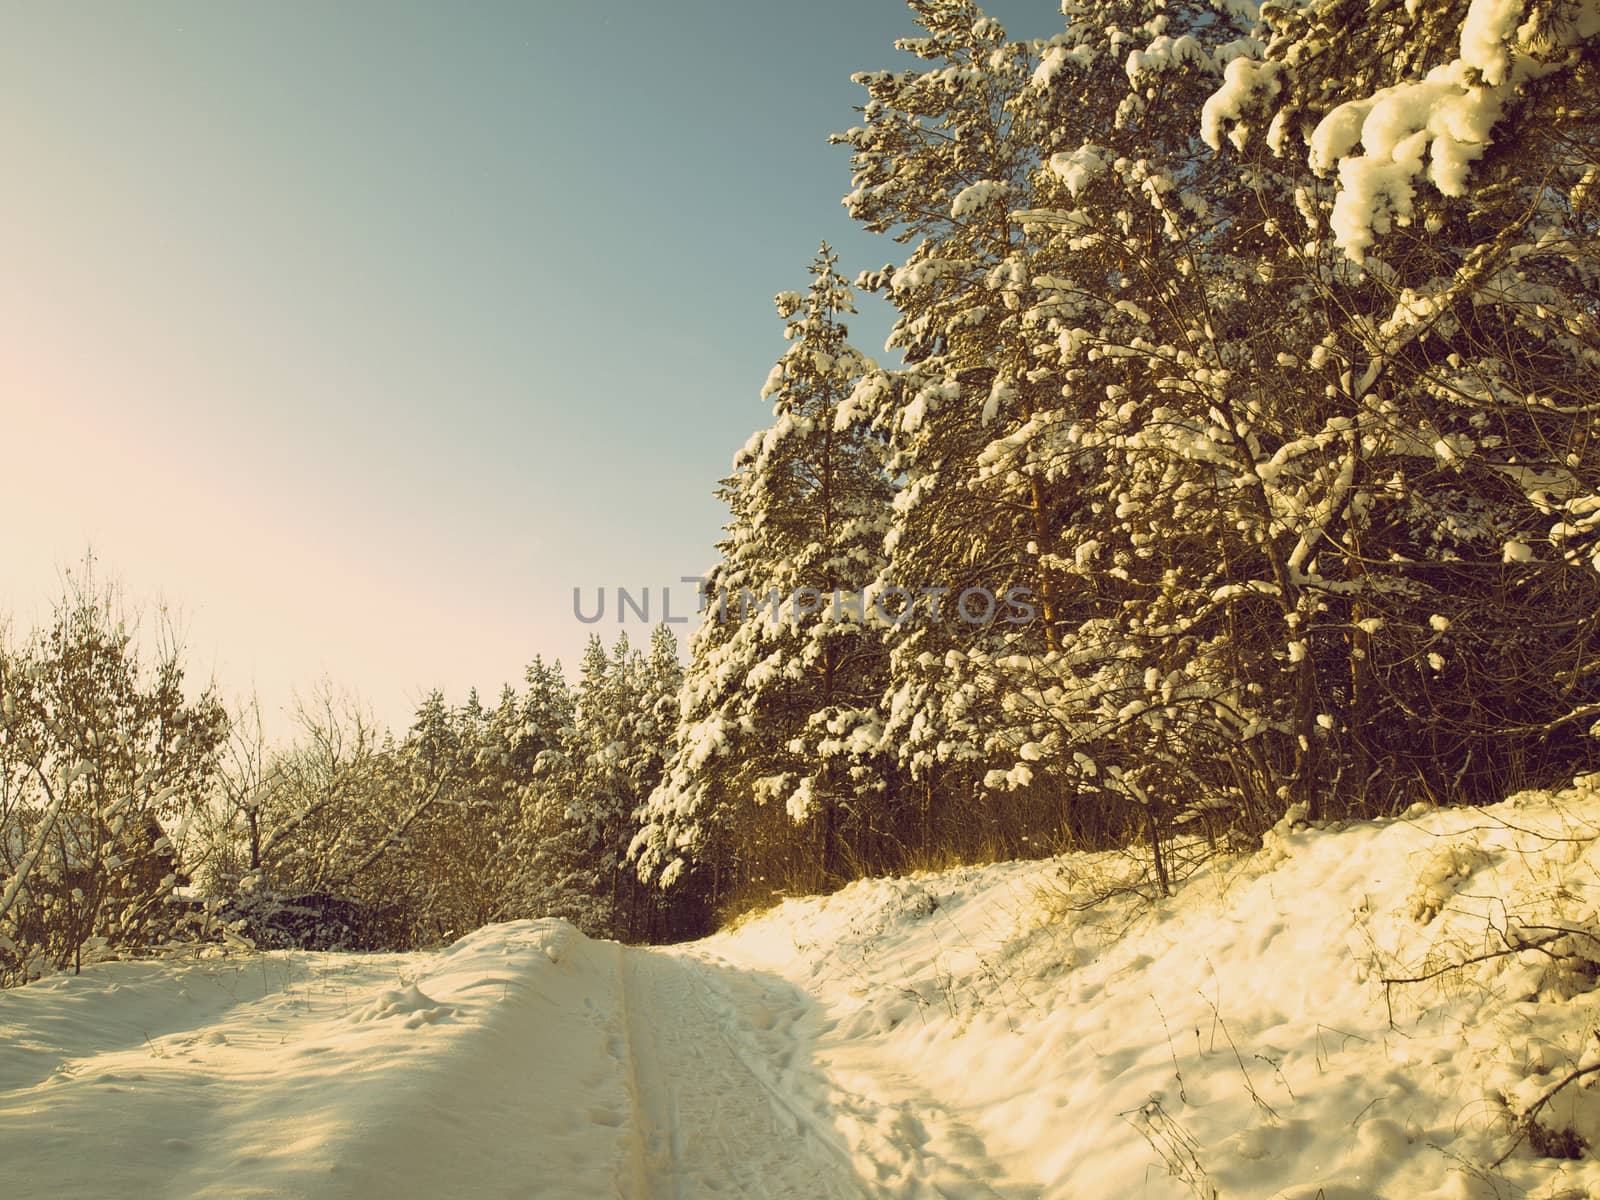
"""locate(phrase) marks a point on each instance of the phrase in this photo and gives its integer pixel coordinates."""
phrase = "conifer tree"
(779, 726)
(944, 159)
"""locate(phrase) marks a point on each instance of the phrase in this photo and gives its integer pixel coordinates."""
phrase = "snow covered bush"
(101, 754)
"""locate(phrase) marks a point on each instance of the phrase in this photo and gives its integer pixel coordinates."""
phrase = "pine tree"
(1163, 317)
(945, 158)
(777, 742)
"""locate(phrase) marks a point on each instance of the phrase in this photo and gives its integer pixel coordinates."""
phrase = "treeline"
(1259, 350)
(478, 813)
(132, 817)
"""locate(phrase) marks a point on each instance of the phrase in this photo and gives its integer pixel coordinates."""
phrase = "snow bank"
(329, 1075)
(1241, 1035)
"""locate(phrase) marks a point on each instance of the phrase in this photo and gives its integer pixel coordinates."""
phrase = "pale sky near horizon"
(361, 334)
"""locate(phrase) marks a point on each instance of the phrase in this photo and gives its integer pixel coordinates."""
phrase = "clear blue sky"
(362, 333)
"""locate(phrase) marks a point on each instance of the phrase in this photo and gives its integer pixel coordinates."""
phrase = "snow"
(1244, 81)
(525, 1059)
(1246, 1018)
(1164, 53)
(1438, 126)
(1077, 168)
(1442, 117)
(1485, 33)
(1058, 59)
(1023, 1029)
(977, 196)
(1432, 128)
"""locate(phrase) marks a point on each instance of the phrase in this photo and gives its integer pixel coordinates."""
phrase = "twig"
(1171, 1049)
(1243, 1070)
(1525, 1121)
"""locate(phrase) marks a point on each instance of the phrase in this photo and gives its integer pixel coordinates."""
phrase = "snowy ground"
(1004, 1031)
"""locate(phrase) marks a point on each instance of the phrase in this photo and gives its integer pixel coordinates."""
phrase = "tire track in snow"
(657, 1150)
(707, 1119)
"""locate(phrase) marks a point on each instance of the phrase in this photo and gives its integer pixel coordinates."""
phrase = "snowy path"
(525, 1061)
(711, 1114)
